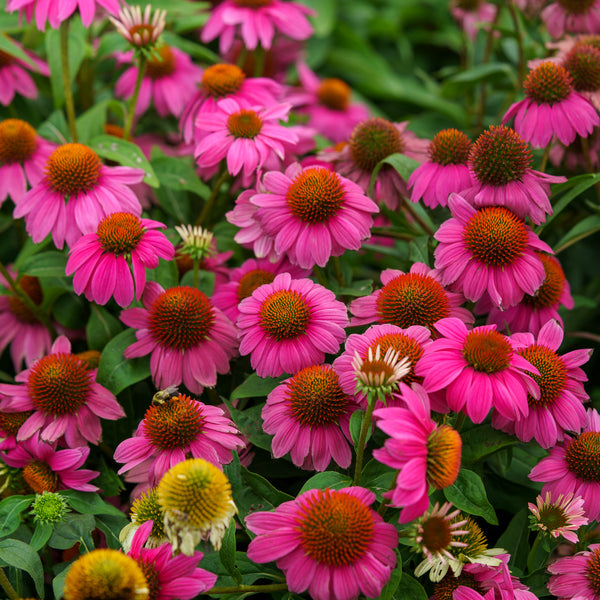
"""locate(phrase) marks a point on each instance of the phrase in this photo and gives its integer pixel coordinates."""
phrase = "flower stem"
(64, 59)
(235, 589)
(128, 129)
(545, 157)
(196, 269)
(7, 587)
(337, 268)
(460, 419)
(415, 215)
(532, 553)
(390, 233)
(518, 35)
(210, 202)
(362, 438)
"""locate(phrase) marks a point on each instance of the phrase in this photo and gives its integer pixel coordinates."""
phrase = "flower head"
(565, 16)
(329, 542)
(141, 30)
(49, 507)
(143, 509)
(196, 241)
(380, 375)
(561, 516)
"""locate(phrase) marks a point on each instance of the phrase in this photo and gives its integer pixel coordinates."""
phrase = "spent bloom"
(559, 515)
(576, 576)
(141, 30)
(329, 542)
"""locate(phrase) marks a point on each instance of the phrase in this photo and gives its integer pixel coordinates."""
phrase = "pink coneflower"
(534, 311)
(169, 81)
(313, 214)
(473, 15)
(189, 340)
(558, 516)
(141, 30)
(564, 16)
(29, 339)
(256, 21)
(46, 469)
(225, 80)
(500, 162)
(245, 279)
(76, 193)
(478, 369)
(573, 466)
(445, 172)
(582, 61)
(552, 108)
(559, 407)
(10, 423)
(62, 391)
(576, 576)
(309, 416)
(290, 324)
(23, 155)
(169, 577)
(15, 79)
(489, 250)
(406, 299)
(101, 261)
(424, 453)
(329, 542)
(57, 11)
(371, 141)
(245, 136)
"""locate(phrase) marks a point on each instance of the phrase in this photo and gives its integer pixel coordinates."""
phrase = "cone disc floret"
(72, 169)
(548, 83)
(583, 456)
(373, 140)
(315, 195)
(487, 351)
(450, 147)
(444, 449)
(244, 124)
(334, 94)
(552, 376)
(284, 315)
(583, 64)
(18, 141)
(120, 233)
(222, 79)
(31, 286)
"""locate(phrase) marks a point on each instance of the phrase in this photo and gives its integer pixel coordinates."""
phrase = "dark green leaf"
(108, 480)
(41, 534)
(327, 479)
(179, 174)
(418, 249)
(10, 513)
(58, 583)
(91, 123)
(468, 494)
(263, 488)
(90, 503)
(45, 264)
(111, 526)
(175, 202)
(77, 529)
(249, 422)
(581, 230)
(205, 283)
(55, 128)
(227, 553)
(356, 425)
(71, 311)
(256, 387)
(377, 477)
(404, 166)
(481, 441)
(165, 274)
(410, 589)
(7, 45)
(389, 591)
(515, 539)
(22, 556)
(101, 327)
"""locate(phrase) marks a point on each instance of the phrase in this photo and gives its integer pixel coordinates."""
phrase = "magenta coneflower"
(169, 577)
(406, 299)
(76, 193)
(534, 311)
(582, 61)
(245, 279)
(14, 76)
(290, 324)
(500, 162)
(445, 172)
(558, 515)
(62, 391)
(57, 11)
(225, 80)
(101, 262)
(576, 576)
(573, 466)
(309, 416)
(473, 15)
(329, 542)
(189, 340)
(23, 155)
(46, 469)
(169, 82)
(552, 108)
(179, 428)
(559, 407)
(424, 453)
(245, 136)
(257, 22)
(478, 369)
(572, 17)
(313, 214)
(489, 250)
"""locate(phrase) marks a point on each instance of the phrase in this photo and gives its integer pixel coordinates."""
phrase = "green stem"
(337, 268)
(319, 273)
(532, 553)
(41, 316)
(128, 129)
(259, 61)
(7, 587)
(385, 502)
(460, 419)
(236, 589)
(545, 158)
(210, 202)
(415, 215)
(196, 270)
(383, 232)
(64, 58)
(362, 438)
(585, 146)
(515, 20)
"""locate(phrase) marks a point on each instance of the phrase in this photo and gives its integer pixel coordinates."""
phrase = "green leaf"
(325, 18)
(256, 387)
(377, 477)
(45, 264)
(116, 372)
(489, 71)
(389, 591)
(515, 539)
(101, 327)
(71, 311)
(41, 535)
(125, 153)
(179, 174)
(327, 479)
(28, 250)
(58, 583)
(111, 526)
(90, 503)
(10, 512)
(263, 488)
(7, 45)
(468, 494)
(77, 529)
(410, 589)
(481, 441)
(249, 422)
(205, 283)
(356, 425)
(174, 202)
(91, 123)
(198, 51)
(227, 553)
(404, 166)
(55, 128)
(20, 555)
(583, 229)
(418, 249)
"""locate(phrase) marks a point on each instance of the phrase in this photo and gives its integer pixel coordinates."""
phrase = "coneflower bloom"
(407, 299)
(23, 154)
(562, 17)
(533, 311)
(14, 76)
(10, 423)
(559, 407)
(424, 453)
(478, 369)
(576, 576)
(76, 193)
(290, 324)
(500, 162)
(169, 577)
(489, 250)
(46, 469)
(101, 262)
(559, 516)
(473, 15)
(329, 542)
(552, 108)
(57, 11)
(245, 136)
(445, 172)
(189, 340)
(309, 416)
(582, 62)
(170, 432)
(62, 391)
(313, 213)
(257, 22)
(143, 509)
(141, 30)
(573, 466)
(169, 81)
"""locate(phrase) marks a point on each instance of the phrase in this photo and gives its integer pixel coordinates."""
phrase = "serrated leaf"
(468, 494)
(327, 479)
(20, 555)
